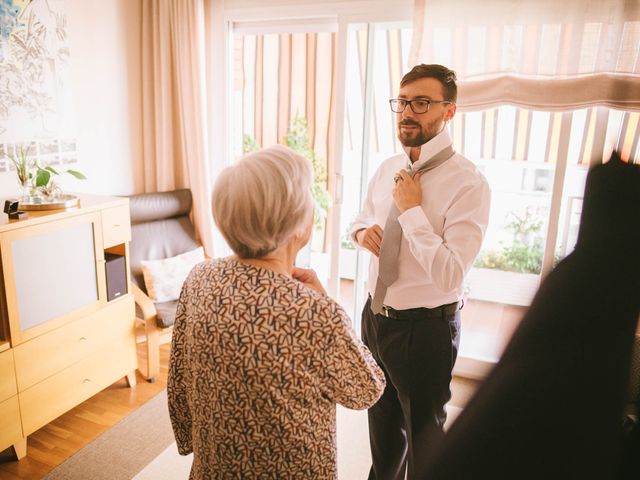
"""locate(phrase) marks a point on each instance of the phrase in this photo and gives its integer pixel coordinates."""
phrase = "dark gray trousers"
(417, 354)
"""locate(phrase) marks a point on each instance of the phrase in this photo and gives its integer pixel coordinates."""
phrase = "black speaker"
(116, 272)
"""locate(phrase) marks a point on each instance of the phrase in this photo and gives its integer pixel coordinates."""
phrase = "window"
(522, 178)
(330, 80)
(533, 138)
(284, 83)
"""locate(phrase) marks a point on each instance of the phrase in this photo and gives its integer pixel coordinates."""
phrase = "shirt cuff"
(413, 219)
(352, 235)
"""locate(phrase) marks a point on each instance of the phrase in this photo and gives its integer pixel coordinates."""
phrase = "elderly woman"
(260, 354)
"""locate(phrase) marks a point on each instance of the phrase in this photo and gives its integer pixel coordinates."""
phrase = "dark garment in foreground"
(416, 353)
(552, 407)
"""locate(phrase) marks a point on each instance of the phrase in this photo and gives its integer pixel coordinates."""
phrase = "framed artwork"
(36, 103)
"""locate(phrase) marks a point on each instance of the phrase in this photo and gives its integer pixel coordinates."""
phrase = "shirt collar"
(429, 149)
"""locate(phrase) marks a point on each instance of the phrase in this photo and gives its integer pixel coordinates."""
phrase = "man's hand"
(308, 277)
(370, 238)
(407, 193)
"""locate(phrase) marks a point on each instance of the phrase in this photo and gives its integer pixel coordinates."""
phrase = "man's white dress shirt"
(441, 237)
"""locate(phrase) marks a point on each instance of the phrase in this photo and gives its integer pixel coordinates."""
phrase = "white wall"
(104, 39)
(105, 45)
(105, 59)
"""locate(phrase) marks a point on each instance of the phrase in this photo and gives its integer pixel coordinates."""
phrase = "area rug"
(141, 447)
(354, 458)
(123, 450)
(169, 465)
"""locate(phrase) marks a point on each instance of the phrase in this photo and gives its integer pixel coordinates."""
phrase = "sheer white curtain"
(175, 123)
(570, 67)
(544, 54)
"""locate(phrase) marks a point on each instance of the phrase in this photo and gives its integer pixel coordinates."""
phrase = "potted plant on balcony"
(297, 139)
(511, 274)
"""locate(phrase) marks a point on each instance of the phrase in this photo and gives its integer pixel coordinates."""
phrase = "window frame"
(256, 19)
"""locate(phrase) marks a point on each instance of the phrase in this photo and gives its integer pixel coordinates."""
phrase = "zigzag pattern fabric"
(258, 363)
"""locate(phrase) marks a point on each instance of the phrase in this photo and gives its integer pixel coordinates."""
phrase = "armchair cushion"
(163, 279)
(160, 228)
(166, 314)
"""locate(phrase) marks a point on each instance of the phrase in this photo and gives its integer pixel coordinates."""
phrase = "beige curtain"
(301, 66)
(543, 54)
(175, 124)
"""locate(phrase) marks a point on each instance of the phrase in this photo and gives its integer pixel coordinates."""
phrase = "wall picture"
(36, 104)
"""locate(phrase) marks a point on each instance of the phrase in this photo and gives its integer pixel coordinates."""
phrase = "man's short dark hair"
(445, 76)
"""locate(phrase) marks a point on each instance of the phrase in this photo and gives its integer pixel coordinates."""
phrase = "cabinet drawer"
(7, 375)
(49, 399)
(116, 226)
(74, 341)
(10, 427)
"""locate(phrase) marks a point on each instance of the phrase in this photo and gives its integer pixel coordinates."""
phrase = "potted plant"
(511, 274)
(297, 139)
(44, 184)
(23, 167)
(36, 182)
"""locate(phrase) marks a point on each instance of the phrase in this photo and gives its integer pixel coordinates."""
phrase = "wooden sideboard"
(61, 340)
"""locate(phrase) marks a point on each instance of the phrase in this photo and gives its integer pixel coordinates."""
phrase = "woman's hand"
(308, 277)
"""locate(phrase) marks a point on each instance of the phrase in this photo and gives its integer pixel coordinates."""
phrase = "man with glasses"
(424, 219)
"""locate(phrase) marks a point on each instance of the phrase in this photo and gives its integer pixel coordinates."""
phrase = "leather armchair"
(160, 228)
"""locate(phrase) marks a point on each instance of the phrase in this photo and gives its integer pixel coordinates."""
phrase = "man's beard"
(417, 139)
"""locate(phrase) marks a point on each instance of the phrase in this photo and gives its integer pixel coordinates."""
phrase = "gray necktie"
(392, 237)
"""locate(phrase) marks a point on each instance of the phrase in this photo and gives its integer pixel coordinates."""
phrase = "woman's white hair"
(263, 200)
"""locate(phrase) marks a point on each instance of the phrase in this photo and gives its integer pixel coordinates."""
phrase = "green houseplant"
(44, 183)
(297, 138)
(23, 167)
(35, 180)
(524, 253)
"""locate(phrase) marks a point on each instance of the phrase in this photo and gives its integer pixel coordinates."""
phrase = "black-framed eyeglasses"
(418, 105)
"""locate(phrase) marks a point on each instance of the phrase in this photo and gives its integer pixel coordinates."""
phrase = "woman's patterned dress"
(258, 362)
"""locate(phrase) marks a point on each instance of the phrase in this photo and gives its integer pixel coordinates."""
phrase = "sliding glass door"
(321, 86)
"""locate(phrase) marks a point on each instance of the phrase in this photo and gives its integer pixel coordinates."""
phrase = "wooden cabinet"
(116, 226)
(7, 376)
(10, 425)
(61, 341)
(72, 342)
(61, 392)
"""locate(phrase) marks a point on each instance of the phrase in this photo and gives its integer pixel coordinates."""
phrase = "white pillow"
(164, 278)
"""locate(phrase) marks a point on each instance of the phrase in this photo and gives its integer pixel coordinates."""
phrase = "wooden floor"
(60, 439)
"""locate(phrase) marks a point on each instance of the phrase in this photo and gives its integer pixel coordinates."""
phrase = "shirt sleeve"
(447, 259)
(351, 377)
(179, 411)
(365, 218)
